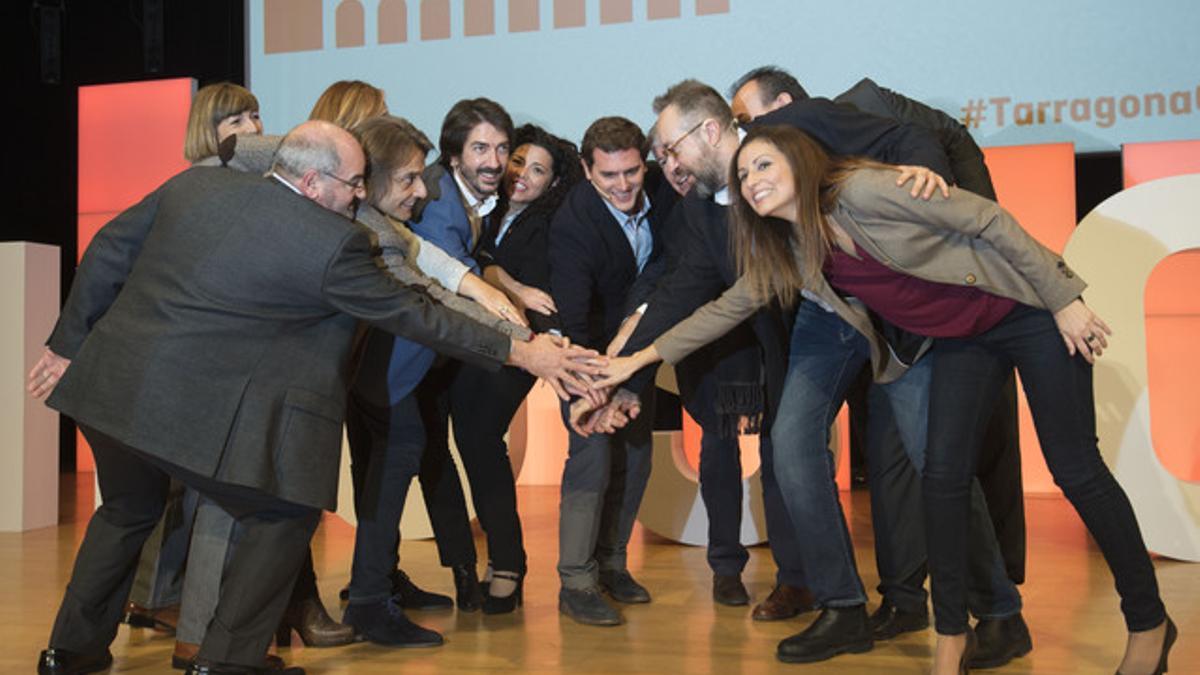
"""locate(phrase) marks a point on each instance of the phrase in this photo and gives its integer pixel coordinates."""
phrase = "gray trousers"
(158, 582)
(602, 486)
(211, 534)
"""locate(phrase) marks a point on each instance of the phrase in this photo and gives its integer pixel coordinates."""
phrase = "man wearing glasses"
(704, 139)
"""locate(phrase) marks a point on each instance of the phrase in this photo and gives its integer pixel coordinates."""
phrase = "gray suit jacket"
(210, 326)
(964, 240)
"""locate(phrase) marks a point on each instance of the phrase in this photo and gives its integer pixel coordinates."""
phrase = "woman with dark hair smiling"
(962, 271)
(514, 257)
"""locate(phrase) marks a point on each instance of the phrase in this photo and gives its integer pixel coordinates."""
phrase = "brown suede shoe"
(185, 653)
(784, 602)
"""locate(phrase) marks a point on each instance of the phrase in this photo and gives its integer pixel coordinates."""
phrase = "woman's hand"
(1082, 330)
(622, 368)
(493, 300)
(533, 298)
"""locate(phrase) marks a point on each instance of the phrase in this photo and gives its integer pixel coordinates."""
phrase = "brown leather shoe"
(314, 625)
(185, 654)
(162, 620)
(784, 602)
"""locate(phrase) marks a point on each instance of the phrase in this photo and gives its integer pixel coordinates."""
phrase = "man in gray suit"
(207, 337)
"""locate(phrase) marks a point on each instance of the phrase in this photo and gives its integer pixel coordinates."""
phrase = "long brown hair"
(347, 103)
(782, 258)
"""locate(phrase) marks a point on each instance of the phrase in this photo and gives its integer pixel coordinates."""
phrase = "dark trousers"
(482, 405)
(272, 537)
(998, 471)
(159, 579)
(721, 486)
(440, 484)
(385, 450)
(968, 374)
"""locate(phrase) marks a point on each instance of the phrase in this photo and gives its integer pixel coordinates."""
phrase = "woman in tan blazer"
(986, 296)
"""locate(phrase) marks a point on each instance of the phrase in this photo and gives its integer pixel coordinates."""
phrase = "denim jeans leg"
(781, 534)
(826, 354)
(1059, 390)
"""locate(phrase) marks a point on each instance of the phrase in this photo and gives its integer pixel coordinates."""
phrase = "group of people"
(220, 333)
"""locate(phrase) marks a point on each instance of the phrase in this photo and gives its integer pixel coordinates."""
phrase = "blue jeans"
(826, 355)
(967, 376)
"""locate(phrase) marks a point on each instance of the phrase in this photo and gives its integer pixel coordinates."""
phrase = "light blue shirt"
(637, 230)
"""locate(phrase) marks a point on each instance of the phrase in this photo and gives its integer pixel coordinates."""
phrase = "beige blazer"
(965, 240)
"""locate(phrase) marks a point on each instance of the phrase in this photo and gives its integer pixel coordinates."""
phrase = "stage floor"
(1070, 606)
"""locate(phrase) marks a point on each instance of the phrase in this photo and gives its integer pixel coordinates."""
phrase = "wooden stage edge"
(1070, 605)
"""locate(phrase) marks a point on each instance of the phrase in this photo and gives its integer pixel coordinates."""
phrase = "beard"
(711, 177)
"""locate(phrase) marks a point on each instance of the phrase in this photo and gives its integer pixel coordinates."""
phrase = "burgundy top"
(918, 306)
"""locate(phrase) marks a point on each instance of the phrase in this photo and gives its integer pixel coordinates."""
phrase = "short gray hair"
(304, 149)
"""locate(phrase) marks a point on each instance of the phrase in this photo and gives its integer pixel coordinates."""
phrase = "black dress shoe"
(838, 630)
(728, 589)
(412, 596)
(384, 623)
(1000, 641)
(504, 604)
(55, 661)
(888, 621)
(467, 593)
(202, 667)
(621, 585)
(587, 606)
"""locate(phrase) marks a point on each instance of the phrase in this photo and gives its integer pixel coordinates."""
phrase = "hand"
(1082, 330)
(624, 406)
(925, 181)
(46, 373)
(555, 360)
(580, 416)
(495, 301)
(535, 299)
(627, 327)
(622, 368)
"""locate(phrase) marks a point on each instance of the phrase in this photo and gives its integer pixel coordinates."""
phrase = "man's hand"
(1082, 330)
(619, 411)
(46, 373)
(924, 181)
(559, 363)
(627, 327)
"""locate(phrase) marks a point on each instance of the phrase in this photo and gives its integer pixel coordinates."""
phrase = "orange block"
(130, 141)
(1172, 324)
(1142, 162)
(1036, 183)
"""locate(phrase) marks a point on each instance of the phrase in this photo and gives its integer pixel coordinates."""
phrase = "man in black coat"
(605, 256)
(207, 338)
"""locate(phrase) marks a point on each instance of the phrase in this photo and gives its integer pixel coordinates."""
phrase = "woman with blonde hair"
(347, 103)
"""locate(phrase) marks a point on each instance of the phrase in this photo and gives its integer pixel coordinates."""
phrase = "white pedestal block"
(29, 297)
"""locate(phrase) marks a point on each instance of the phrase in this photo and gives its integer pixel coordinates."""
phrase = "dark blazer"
(441, 218)
(703, 270)
(594, 277)
(844, 130)
(524, 253)
(966, 159)
(210, 326)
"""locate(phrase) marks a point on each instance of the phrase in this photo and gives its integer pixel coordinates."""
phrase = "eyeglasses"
(356, 183)
(669, 150)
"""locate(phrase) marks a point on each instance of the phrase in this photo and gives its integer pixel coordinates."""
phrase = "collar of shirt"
(283, 180)
(722, 196)
(630, 219)
(481, 208)
(507, 221)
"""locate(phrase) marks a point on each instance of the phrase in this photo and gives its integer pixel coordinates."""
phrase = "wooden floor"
(1069, 604)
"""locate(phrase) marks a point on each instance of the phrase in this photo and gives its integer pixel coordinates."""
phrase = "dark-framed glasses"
(670, 150)
(356, 183)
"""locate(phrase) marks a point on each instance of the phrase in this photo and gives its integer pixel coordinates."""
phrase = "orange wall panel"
(1036, 183)
(130, 141)
(1142, 162)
